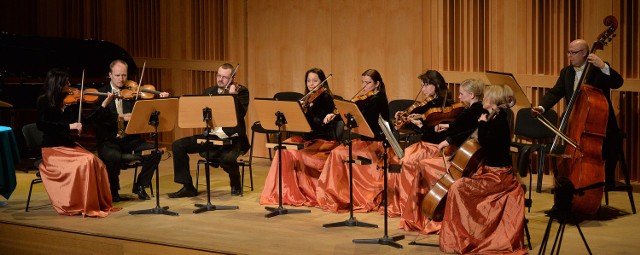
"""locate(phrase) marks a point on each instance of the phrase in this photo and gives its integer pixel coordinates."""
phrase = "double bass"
(584, 128)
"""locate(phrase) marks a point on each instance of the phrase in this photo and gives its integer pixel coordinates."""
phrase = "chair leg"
(540, 168)
(627, 182)
(242, 182)
(198, 172)
(34, 181)
(526, 232)
(251, 177)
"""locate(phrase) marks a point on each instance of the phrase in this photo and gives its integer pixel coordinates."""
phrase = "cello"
(585, 129)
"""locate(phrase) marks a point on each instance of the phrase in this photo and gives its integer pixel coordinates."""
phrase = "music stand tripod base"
(391, 241)
(351, 222)
(275, 211)
(158, 210)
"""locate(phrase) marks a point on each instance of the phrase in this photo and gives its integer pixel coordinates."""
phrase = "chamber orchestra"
(456, 177)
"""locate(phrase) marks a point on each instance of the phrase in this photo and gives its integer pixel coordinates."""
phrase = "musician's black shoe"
(115, 197)
(142, 194)
(186, 191)
(236, 191)
(135, 189)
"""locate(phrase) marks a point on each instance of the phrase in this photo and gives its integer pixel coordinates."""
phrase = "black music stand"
(288, 117)
(146, 118)
(352, 117)
(217, 111)
(390, 141)
(561, 211)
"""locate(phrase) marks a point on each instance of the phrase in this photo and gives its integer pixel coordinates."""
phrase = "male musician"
(228, 154)
(115, 150)
(601, 76)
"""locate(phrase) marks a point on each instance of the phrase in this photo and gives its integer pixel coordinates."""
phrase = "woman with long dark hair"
(301, 168)
(75, 179)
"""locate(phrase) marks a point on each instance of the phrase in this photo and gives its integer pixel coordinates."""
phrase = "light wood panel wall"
(275, 41)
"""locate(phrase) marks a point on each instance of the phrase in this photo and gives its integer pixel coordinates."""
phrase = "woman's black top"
(315, 115)
(371, 107)
(495, 138)
(54, 123)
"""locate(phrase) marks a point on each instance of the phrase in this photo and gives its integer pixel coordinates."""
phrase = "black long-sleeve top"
(54, 123)
(315, 115)
(428, 131)
(495, 138)
(371, 107)
(464, 125)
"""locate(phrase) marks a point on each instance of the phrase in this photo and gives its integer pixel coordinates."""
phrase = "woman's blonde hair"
(497, 94)
(474, 86)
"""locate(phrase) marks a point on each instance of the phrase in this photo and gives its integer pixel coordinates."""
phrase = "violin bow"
(226, 87)
(140, 83)
(81, 98)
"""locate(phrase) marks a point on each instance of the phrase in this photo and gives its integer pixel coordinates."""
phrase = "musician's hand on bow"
(595, 60)
(328, 118)
(76, 126)
(233, 89)
(107, 100)
(443, 145)
(537, 111)
(441, 127)
(126, 116)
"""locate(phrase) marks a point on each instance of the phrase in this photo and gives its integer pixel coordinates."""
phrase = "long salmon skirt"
(333, 185)
(300, 172)
(400, 186)
(484, 214)
(76, 181)
(430, 170)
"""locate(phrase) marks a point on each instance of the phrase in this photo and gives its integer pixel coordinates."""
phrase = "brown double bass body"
(587, 125)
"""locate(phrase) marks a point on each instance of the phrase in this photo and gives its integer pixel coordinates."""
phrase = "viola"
(132, 89)
(403, 117)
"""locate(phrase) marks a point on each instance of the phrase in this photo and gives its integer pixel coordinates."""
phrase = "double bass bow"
(584, 128)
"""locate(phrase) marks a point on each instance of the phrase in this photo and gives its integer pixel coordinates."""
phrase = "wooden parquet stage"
(247, 231)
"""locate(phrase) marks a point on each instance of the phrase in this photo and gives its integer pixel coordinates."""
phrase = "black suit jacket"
(564, 88)
(107, 124)
(242, 104)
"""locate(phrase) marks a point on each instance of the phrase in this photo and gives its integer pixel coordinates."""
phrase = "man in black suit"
(228, 154)
(600, 75)
(114, 148)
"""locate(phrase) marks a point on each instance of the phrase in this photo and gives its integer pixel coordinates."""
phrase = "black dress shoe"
(142, 194)
(184, 192)
(135, 189)
(115, 198)
(236, 191)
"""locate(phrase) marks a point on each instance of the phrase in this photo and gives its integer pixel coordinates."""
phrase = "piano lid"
(29, 58)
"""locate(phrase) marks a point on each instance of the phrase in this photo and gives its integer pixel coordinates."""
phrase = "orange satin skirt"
(333, 184)
(399, 187)
(76, 181)
(430, 170)
(300, 172)
(484, 214)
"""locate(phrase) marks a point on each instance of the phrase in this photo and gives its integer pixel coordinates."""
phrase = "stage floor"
(247, 231)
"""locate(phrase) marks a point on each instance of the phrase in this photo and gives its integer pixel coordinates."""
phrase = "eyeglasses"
(222, 77)
(571, 53)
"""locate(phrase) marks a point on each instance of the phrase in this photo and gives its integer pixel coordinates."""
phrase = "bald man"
(600, 75)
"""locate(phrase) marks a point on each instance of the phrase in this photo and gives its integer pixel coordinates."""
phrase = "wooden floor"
(247, 231)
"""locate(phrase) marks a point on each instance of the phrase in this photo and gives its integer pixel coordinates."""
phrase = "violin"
(364, 96)
(403, 117)
(310, 97)
(435, 116)
(132, 90)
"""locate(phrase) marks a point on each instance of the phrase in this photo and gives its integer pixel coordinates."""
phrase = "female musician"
(333, 184)
(491, 201)
(75, 179)
(302, 167)
(432, 168)
(434, 90)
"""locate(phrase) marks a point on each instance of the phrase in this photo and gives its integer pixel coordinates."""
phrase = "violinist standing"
(75, 179)
(228, 154)
(431, 169)
(302, 168)
(115, 150)
(600, 75)
(333, 185)
(434, 90)
(484, 213)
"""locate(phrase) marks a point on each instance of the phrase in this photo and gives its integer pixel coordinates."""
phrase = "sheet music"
(384, 125)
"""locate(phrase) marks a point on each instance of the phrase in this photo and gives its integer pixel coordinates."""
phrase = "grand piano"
(25, 61)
